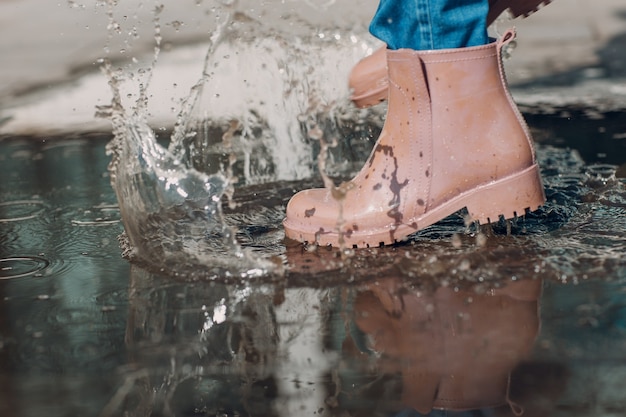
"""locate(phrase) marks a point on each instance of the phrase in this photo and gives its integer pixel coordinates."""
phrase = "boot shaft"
(451, 110)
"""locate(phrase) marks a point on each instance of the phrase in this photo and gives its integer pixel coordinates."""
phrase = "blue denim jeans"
(431, 24)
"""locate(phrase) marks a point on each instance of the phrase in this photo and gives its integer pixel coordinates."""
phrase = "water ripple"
(100, 215)
(22, 266)
(12, 211)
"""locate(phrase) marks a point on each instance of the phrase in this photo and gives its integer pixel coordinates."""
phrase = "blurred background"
(570, 52)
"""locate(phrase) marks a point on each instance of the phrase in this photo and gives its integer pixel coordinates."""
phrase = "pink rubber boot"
(453, 138)
(368, 79)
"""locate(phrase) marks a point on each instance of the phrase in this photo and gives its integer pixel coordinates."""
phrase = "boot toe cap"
(310, 212)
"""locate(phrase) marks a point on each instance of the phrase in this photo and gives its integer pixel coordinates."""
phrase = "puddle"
(112, 336)
(175, 293)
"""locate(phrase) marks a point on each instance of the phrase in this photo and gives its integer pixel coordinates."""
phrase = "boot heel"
(509, 197)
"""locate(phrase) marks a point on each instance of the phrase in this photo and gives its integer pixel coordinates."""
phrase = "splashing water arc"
(261, 100)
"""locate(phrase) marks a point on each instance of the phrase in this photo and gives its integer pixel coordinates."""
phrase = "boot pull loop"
(506, 38)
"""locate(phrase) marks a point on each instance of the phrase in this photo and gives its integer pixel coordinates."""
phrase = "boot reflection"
(454, 349)
(197, 349)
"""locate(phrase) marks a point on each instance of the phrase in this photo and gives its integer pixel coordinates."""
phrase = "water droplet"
(456, 241)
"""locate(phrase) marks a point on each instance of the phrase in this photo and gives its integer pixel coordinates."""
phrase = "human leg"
(368, 78)
(431, 24)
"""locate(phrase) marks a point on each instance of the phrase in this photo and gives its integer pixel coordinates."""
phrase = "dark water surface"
(529, 315)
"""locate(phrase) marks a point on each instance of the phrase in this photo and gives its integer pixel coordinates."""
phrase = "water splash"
(171, 212)
(261, 104)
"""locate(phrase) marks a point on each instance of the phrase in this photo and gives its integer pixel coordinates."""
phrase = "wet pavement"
(528, 315)
(86, 332)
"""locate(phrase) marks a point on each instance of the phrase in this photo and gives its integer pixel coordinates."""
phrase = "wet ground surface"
(532, 312)
(529, 315)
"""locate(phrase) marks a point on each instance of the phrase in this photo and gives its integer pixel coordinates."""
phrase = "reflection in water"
(385, 346)
(451, 349)
(205, 349)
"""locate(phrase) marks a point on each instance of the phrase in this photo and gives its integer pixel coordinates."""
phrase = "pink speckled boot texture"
(453, 138)
(368, 79)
